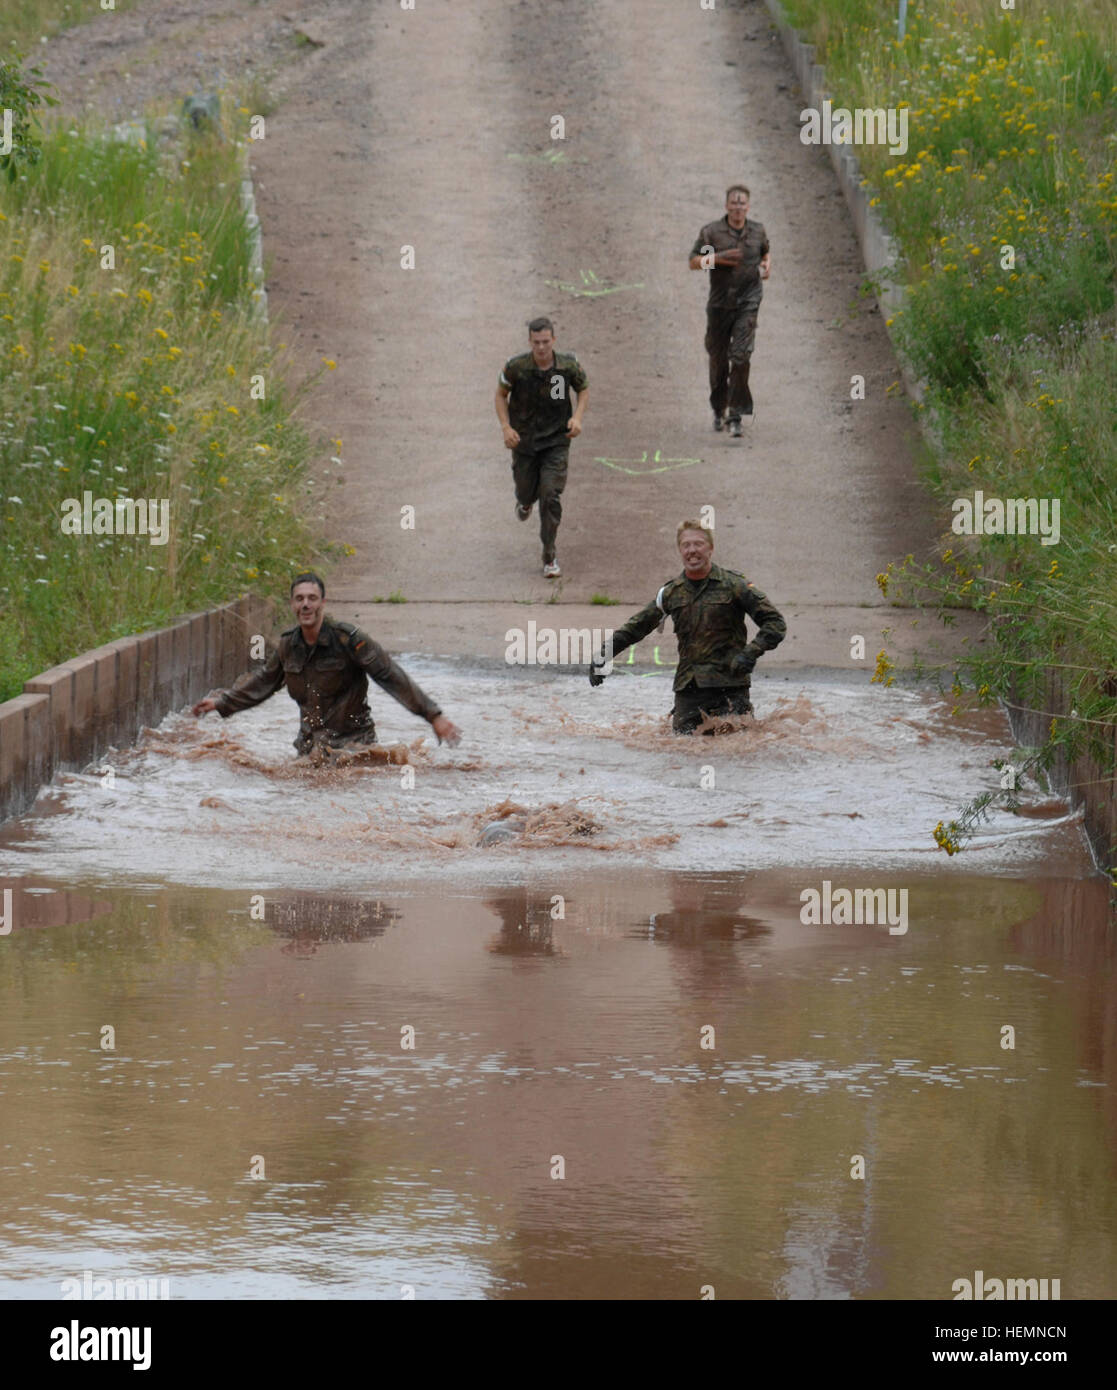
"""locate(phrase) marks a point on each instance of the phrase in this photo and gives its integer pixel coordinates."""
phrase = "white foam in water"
(829, 774)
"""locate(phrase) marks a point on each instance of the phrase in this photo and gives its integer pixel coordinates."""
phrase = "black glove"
(744, 663)
(596, 678)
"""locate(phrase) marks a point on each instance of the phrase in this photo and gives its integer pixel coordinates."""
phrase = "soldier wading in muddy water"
(735, 252)
(538, 422)
(325, 665)
(707, 605)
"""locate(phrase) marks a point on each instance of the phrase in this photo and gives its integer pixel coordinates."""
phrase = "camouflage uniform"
(330, 684)
(731, 311)
(540, 418)
(715, 659)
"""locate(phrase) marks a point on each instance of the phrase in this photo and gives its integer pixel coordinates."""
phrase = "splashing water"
(827, 772)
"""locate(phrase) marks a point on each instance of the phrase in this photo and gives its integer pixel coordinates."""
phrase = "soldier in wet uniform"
(735, 251)
(538, 421)
(326, 665)
(708, 606)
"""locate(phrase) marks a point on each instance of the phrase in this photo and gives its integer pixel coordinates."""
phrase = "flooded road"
(351, 1051)
(832, 772)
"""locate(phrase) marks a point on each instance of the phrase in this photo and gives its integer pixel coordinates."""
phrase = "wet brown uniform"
(731, 311)
(329, 681)
(715, 656)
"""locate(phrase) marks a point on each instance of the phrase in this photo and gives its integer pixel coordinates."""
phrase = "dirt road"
(432, 128)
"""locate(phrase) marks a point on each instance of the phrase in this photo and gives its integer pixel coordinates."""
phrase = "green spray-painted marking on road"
(631, 661)
(661, 465)
(547, 157)
(592, 286)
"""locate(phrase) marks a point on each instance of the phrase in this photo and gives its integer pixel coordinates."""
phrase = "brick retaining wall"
(68, 716)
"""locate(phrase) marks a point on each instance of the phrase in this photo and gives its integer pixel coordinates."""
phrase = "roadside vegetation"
(1004, 208)
(133, 365)
(25, 23)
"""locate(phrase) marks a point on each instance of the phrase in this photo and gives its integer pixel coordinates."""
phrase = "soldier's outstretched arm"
(635, 630)
(390, 676)
(253, 688)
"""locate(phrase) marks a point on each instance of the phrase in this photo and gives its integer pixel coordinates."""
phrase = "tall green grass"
(135, 380)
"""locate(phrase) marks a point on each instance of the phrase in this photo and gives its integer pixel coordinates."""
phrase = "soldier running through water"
(326, 665)
(707, 605)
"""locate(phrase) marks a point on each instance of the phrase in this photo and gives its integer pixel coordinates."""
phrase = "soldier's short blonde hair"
(693, 526)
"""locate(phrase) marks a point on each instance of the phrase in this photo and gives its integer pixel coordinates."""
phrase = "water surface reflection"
(573, 1033)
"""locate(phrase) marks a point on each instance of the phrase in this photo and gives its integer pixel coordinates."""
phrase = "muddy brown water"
(634, 1072)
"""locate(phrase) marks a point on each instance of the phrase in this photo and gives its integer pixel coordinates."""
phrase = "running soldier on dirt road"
(707, 606)
(326, 665)
(538, 421)
(735, 251)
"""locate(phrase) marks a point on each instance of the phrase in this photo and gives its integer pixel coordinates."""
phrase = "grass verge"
(132, 367)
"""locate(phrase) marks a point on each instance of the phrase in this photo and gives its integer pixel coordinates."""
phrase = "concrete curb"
(255, 242)
(878, 248)
(1085, 782)
(70, 715)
